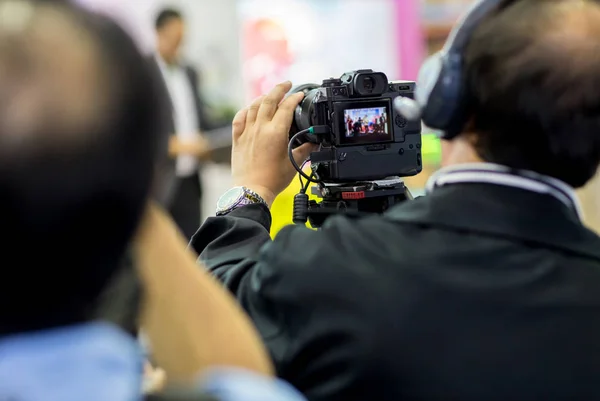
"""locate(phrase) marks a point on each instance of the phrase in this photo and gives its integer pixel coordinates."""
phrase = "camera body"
(366, 138)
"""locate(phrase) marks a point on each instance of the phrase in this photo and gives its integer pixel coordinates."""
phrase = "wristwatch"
(237, 197)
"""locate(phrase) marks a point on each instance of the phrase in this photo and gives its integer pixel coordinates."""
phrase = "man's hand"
(155, 379)
(259, 158)
(191, 321)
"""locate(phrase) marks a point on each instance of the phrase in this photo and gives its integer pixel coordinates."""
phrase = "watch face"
(230, 198)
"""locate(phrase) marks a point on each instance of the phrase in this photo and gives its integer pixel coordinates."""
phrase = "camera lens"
(304, 114)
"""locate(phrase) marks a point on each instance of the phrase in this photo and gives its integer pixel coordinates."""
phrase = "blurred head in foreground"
(533, 69)
(81, 131)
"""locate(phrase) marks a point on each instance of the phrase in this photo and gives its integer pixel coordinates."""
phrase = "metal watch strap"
(253, 196)
(249, 197)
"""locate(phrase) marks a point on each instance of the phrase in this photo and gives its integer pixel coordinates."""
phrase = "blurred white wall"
(212, 42)
(317, 39)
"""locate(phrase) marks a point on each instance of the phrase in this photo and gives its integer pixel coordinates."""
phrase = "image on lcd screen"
(365, 122)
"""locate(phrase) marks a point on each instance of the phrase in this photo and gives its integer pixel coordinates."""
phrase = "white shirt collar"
(496, 174)
(162, 64)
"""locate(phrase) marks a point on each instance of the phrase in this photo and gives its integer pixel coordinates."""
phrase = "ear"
(469, 134)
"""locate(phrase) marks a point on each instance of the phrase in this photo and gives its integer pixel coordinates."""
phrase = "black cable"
(305, 187)
(299, 176)
(301, 208)
(291, 156)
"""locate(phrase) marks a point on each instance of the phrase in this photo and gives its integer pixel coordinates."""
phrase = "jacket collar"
(501, 209)
(94, 362)
(495, 174)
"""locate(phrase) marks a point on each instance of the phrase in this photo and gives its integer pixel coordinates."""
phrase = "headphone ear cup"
(428, 77)
(444, 95)
(429, 74)
(441, 90)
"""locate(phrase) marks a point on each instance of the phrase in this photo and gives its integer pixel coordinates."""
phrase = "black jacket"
(167, 170)
(475, 292)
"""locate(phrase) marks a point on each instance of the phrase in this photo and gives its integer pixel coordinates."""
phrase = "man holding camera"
(486, 288)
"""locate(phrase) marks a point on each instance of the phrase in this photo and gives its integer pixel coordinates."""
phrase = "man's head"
(170, 31)
(80, 122)
(533, 69)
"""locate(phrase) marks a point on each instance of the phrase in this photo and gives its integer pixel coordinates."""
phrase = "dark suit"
(186, 192)
(476, 292)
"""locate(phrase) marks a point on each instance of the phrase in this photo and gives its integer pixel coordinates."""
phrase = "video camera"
(365, 145)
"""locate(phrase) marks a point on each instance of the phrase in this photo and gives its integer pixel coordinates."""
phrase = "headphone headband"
(468, 22)
(441, 95)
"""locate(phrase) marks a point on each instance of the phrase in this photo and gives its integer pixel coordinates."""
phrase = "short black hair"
(74, 185)
(165, 16)
(533, 75)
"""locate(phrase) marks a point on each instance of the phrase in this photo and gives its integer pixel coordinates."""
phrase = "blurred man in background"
(189, 119)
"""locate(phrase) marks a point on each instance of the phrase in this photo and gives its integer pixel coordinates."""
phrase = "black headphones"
(441, 98)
